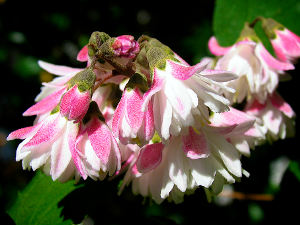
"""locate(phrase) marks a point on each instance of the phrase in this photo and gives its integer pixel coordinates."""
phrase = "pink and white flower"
(98, 149)
(50, 145)
(180, 93)
(275, 114)
(257, 69)
(204, 157)
(129, 121)
(286, 45)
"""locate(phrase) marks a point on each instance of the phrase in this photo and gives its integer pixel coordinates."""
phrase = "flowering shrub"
(139, 111)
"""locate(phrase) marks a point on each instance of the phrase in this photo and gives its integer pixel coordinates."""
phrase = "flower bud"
(125, 46)
(75, 102)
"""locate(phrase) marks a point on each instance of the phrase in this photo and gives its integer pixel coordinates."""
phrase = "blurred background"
(55, 32)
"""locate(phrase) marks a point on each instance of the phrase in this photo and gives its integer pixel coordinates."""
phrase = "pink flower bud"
(74, 104)
(125, 46)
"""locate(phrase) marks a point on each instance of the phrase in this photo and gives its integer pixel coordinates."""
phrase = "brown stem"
(101, 82)
(126, 70)
(245, 196)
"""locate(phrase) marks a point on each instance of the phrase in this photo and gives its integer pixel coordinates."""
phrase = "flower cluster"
(138, 109)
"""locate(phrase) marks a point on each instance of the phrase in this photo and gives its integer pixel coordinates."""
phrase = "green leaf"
(38, 202)
(231, 15)
(294, 167)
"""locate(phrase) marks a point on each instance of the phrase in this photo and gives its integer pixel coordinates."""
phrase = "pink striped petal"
(150, 157)
(100, 138)
(279, 51)
(57, 69)
(74, 104)
(278, 102)
(72, 134)
(149, 123)
(271, 61)
(195, 145)
(50, 128)
(183, 72)
(215, 48)
(290, 42)
(156, 86)
(117, 117)
(233, 117)
(134, 112)
(255, 107)
(21, 133)
(83, 54)
(45, 105)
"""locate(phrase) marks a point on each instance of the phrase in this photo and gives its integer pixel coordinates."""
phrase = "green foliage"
(294, 167)
(38, 202)
(230, 16)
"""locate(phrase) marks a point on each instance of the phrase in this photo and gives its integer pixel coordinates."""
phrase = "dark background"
(54, 32)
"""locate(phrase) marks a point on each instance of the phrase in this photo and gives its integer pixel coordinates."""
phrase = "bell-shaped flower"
(202, 157)
(75, 102)
(276, 116)
(50, 145)
(286, 45)
(257, 69)
(239, 128)
(180, 92)
(129, 120)
(98, 148)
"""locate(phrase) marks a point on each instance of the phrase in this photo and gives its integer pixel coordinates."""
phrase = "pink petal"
(150, 157)
(195, 145)
(149, 123)
(100, 138)
(279, 51)
(74, 104)
(183, 72)
(45, 105)
(134, 108)
(50, 128)
(278, 102)
(233, 117)
(118, 115)
(255, 107)
(57, 69)
(289, 42)
(156, 86)
(83, 54)
(72, 135)
(21, 133)
(215, 48)
(271, 61)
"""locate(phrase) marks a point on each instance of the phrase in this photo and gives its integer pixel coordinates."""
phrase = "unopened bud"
(125, 46)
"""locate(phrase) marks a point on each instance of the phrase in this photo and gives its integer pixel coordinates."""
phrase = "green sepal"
(269, 25)
(93, 111)
(248, 32)
(96, 40)
(138, 80)
(84, 80)
(106, 50)
(55, 110)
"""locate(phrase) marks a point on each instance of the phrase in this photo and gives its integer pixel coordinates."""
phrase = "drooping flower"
(180, 92)
(257, 69)
(203, 157)
(98, 148)
(276, 116)
(129, 121)
(50, 145)
(286, 44)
